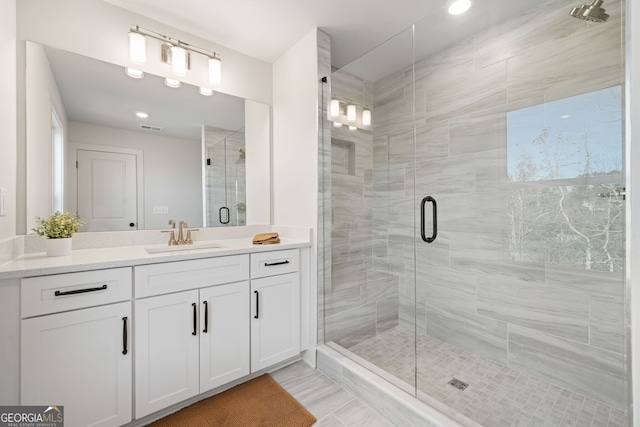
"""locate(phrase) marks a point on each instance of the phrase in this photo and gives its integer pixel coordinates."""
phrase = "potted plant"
(58, 229)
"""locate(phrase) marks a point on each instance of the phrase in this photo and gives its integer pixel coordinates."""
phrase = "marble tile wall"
(360, 300)
(537, 314)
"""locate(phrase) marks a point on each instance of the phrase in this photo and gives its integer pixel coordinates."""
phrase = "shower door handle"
(228, 217)
(435, 219)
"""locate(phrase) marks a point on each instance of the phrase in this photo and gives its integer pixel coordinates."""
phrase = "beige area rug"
(261, 402)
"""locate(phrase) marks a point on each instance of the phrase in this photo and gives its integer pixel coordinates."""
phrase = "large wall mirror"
(133, 153)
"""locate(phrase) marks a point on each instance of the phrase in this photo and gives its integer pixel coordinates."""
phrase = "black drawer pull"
(124, 335)
(267, 264)
(206, 317)
(257, 304)
(80, 291)
(195, 319)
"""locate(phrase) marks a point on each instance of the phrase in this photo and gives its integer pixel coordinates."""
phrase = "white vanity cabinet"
(76, 345)
(190, 341)
(275, 309)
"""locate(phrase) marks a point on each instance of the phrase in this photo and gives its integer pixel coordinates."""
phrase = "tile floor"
(497, 396)
(332, 405)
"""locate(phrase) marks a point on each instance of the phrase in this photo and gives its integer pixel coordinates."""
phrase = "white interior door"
(107, 190)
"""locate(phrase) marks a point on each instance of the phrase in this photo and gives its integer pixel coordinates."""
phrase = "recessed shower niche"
(343, 157)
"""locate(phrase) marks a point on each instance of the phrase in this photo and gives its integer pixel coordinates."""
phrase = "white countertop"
(38, 264)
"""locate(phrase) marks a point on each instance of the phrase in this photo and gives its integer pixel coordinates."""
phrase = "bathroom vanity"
(119, 334)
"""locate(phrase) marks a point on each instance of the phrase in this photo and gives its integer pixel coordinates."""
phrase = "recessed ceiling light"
(459, 6)
(566, 116)
(205, 91)
(142, 114)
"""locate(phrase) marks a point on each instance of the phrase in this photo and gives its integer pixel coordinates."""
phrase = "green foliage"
(60, 225)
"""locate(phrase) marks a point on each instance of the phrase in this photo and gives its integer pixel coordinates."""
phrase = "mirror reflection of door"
(107, 190)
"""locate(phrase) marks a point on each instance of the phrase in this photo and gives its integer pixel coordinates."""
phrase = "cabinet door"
(224, 338)
(275, 320)
(166, 351)
(76, 359)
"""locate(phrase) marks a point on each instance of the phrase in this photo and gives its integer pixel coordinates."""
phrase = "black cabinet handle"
(206, 317)
(435, 219)
(195, 319)
(80, 291)
(257, 305)
(124, 336)
(266, 264)
(220, 215)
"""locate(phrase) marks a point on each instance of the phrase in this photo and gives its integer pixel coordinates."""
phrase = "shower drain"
(460, 385)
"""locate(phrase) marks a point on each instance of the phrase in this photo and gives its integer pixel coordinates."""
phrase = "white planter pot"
(58, 247)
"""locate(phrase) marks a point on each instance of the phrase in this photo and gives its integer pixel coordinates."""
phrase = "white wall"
(8, 152)
(99, 30)
(295, 158)
(258, 146)
(172, 170)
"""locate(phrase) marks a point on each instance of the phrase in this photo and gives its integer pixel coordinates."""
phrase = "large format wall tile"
(481, 335)
(600, 282)
(446, 288)
(589, 370)
(531, 304)
(350, 327)
(477, 132)
(607, 322)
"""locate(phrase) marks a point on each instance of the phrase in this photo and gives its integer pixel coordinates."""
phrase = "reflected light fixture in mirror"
(351, 113)
(334, 108)
(172, 83)
(205, 91)
(366, 117)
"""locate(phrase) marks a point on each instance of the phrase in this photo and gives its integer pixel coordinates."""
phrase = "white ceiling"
(265, 29)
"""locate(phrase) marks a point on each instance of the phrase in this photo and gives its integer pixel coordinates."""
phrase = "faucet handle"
(172, 237)
(172, 223)
(189, 240)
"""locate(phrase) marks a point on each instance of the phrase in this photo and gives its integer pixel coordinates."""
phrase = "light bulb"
(334, 108)
(178, 60)
(173, 83)
(132, 72)
(137, 48)
(351, 113)
(366, 117)
(215, 70)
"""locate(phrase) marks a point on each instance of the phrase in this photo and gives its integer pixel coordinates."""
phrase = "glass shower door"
(519, 136)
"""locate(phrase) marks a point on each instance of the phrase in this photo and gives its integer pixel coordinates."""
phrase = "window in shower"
(564, 163)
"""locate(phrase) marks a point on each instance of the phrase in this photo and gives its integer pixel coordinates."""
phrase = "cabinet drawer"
(265, 264)
(70, 291)
(177, 276)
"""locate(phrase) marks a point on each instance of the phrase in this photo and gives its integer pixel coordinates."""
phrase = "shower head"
(593, 13)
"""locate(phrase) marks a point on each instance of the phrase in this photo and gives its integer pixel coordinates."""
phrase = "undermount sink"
(184, 248)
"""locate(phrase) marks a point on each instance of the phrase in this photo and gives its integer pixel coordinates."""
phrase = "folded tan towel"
(266, 239)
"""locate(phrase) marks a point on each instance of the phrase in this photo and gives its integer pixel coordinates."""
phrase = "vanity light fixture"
(351, 113)
(334, 108)
(137, 48)
(142, 114)
(215, 70)
(172, 83)
(173, 52)
(179, 59)
(366, 117)
(205, 91)
(132, 72)
(459, 7)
